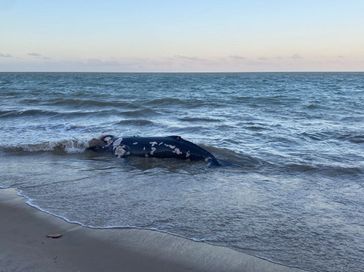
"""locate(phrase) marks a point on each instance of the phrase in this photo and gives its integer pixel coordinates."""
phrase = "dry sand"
(25, 247)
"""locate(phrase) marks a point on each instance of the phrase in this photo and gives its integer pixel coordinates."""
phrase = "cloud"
(237, 57)
(5, 55)
(181, 63)
(37, 55)
(34, 54)
(94, 61)
(111, 65)
(181, 57)
(296, 56)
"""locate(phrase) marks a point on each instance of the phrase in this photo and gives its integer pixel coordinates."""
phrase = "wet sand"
(24, 246)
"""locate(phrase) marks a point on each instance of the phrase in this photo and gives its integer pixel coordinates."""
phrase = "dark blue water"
(292, 187)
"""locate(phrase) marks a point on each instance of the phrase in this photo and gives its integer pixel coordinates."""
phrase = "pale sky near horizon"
(182, 35)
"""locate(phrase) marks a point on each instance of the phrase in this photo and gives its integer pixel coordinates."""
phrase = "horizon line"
(185, 72)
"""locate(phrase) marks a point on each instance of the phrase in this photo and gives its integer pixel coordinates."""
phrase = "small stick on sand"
(54, 235)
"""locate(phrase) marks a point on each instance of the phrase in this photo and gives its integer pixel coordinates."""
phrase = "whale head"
(99, 144)
(107, 139)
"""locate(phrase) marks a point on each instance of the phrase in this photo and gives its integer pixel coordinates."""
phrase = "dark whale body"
(158, 147)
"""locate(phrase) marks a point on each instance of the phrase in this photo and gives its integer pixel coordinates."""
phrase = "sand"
(24, 246)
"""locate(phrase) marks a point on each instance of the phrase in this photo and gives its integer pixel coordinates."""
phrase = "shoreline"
(25, 247)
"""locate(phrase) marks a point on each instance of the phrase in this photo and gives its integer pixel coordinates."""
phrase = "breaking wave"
(59, 147)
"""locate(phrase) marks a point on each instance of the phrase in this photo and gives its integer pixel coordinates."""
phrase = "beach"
(25, 247)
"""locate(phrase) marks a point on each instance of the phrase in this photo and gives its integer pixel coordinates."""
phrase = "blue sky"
(182, 35)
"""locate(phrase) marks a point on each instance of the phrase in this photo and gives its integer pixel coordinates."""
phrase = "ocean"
(291, 188)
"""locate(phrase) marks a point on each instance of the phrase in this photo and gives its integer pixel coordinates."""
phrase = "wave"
(32, 112)
(254, 126)
(352, 119)
(141, 112)
(189, 129)
(353, 137)
(230, 157)
(330, 170)
(278, 100)
(199, 119)
(135, 122)
(50, 113)
(187, 103)
(313, 106)
(165, 101)
(88, 103)
(59, 147)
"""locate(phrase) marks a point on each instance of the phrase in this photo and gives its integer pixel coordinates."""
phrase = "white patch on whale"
(117, 142)
(108, 140)
(170, 146)
(152, 151)
(153, 143)
(177, 151)
(188, 153)
(135, 143)
(120, 151)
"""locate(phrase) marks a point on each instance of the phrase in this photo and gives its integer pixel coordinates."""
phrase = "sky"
(181, 35)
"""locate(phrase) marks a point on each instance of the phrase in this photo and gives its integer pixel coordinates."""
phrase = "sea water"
(291, 188)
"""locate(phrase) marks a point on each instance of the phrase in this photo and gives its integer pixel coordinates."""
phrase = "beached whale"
(159, 147)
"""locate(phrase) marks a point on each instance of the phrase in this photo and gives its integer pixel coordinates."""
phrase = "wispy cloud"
(5, 55)
(34, 54)
(237, 57)
(37, 55)
(296, 56)
(95, 61)
(188, 58)
(180, 63)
